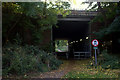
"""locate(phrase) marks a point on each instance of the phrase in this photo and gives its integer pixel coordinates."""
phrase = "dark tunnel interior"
(75, 32)
(71, 30)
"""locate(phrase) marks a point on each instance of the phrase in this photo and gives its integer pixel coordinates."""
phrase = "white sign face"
(95, 42)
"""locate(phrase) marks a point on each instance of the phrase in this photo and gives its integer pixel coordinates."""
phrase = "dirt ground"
(67, 66)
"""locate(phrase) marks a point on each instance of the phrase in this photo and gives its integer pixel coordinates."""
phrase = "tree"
(107, 23)
(29, 20)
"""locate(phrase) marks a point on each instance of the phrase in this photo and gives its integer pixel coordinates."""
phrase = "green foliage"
(109, 61)
(107, 24)
(101, 34)
(19, 60)
(99, 18)
(61, 45)
(107, 19)
(115, 26)
(106, 61)
(48, 48)
(31, 18)
(37, 36)
(54, 63)
(28, 20)
(80, 71)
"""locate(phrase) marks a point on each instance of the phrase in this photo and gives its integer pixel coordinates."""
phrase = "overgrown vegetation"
(82, 71)
(106, 61)
(106, 28)
(107, 25)
(19, 60)
(29, 20)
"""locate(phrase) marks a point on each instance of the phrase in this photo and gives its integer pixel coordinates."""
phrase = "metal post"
(90, 39)
(95, 58)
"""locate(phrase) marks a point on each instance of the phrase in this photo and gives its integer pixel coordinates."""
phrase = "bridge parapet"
(84, 13)
(79, 15)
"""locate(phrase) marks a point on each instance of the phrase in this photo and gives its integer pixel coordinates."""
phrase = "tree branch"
(102, 12)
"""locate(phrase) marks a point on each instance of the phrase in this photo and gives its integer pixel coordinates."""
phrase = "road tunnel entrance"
(77, 35)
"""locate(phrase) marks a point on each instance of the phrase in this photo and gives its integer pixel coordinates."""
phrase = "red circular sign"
(95, 42)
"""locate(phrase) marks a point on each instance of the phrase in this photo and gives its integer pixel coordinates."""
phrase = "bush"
(54, 63)
(19, 60)
(106, 61)
(109, 61)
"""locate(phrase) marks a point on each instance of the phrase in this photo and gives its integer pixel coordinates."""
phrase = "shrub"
(54, 63)
(109, 61)
(19, 60)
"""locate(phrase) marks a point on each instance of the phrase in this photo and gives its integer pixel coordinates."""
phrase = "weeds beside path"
(66, 67)
(78, 69)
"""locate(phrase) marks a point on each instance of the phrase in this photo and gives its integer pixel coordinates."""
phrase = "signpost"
(95, 43)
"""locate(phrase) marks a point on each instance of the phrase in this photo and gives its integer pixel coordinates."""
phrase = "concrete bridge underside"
(73, 28)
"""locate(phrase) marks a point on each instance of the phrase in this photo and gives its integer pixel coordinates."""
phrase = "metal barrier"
(81, 55)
